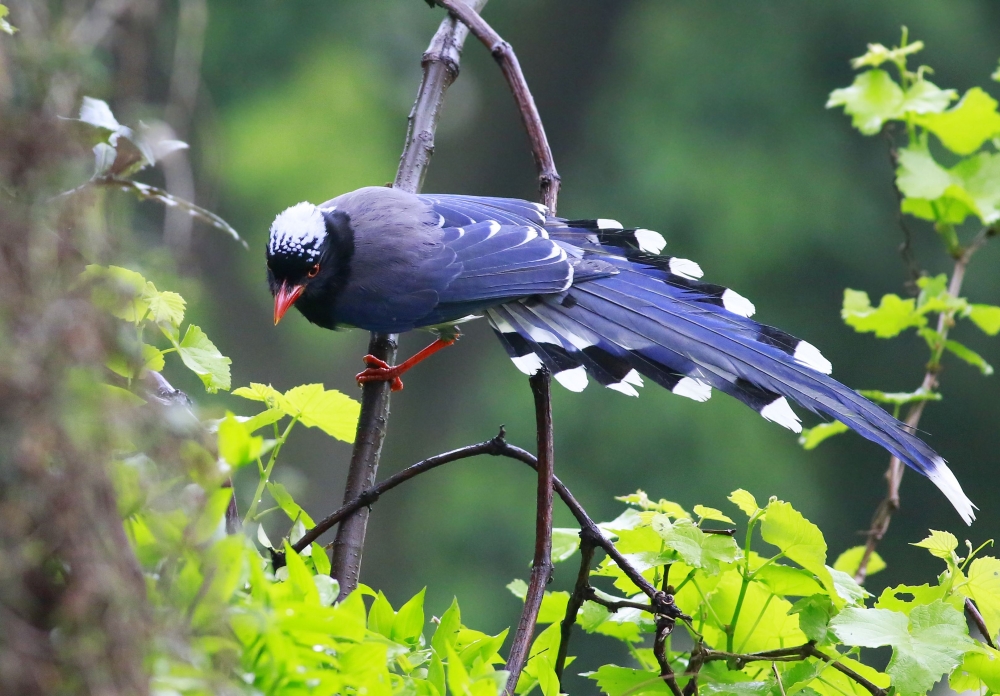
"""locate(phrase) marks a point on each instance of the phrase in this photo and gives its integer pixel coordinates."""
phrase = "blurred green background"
(704, 121)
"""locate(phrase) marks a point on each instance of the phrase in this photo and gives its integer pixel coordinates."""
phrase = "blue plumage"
(584, 298)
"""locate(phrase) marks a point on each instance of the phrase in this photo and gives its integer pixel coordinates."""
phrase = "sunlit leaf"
(968, 355)
(327, 409)
(892, 316)
(978, 668)
(925, 647)
(850, 561)
(167, 307)
(744, 501)
(983, 587)
(709, 513)
(986, 317)
(940, 544)
(619, 681)
(409, 622)
(236, 445)
(696, 548)
(5, 26)
(798, 539)
(812, 437)
(202, 357)
(288, 505)
(152, 358)
(565, 542)
(878, 54)
(965, 127)
(870, 101)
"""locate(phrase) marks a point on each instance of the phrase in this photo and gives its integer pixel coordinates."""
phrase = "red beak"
(284, 300)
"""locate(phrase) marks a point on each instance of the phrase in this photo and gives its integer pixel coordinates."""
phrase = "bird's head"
(307, 253)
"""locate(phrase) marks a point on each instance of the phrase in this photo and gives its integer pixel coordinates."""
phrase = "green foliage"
(743, 601)
(128, 296)
(947, 195)
(5, 26)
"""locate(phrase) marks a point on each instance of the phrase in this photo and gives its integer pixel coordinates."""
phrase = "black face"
(320, 273)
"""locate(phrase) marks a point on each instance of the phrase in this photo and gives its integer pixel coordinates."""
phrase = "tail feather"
(633, 322)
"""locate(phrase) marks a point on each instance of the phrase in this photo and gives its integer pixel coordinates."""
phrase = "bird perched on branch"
(584, 298)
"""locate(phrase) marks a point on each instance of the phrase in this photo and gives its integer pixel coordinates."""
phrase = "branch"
(496, 447)
(587, 547)
(894, 474)
(973, 611)
(440, 68)
(541, 566)
(664, 627)
(503, 53)
(794, 654)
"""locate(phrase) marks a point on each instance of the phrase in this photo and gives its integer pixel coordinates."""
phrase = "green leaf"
(271, 415)
(986, 317)
(447, 629)
(263, 392)
(870, 101)
(878, 54)
(968, 355)
(924, 97)
(321, 561)
(900, 398)
(5, 26)
(327, 409)
(565, 542)
(695, 548)
(119, 291)
(744, 501)
(979, 668)
(971, 187)
(236, 445)
(553, 609)
(97, 113)
(202, 357)
(288, 505)
(619, 681)
(381, 616)
(940, 544)
(708, 513)
(815, 613)
(850, 561)
(925, 647)
(798, 538)
(892, 316)
(812, 437)
(642, 501)
(167, 308)
(409, 622)
(983, 587)
(152, 358)
(211, 519)
(785, 580)
(965, 127)
(915, 596)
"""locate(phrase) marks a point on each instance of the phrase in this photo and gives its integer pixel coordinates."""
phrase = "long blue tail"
(654, 319)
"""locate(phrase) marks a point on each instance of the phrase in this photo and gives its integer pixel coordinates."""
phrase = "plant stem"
(541, 567)
(264, 477)
(440, 68)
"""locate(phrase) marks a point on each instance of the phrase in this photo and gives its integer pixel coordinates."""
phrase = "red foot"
(379, 371)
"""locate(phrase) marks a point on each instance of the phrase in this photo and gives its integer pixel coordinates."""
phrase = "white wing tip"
(606, 224)
(778, 411)
(686, 268)
(693, 389)
(737, 304)
(649, 241)
(574, 379)
(528, 364)
(809, 355)
(945, 480)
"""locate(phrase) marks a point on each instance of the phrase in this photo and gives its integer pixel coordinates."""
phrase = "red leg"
(381, 371)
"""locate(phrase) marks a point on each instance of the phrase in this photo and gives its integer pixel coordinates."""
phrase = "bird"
(586, 299)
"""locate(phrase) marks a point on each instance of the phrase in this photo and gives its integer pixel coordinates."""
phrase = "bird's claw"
(379, 371)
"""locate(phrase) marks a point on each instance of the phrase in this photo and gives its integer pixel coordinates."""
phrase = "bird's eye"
(314, 271)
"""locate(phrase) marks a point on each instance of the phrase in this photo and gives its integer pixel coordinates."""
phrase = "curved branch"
(503, 53)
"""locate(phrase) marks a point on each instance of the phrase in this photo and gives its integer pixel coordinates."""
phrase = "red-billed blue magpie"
(581, 297)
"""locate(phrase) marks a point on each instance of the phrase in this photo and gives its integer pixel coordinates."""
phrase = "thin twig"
(894, 474)
(503, 53)
(541, 566)
(496, 447)
(973, 611)
(664, 627)
(587, 547)
(440, 68)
